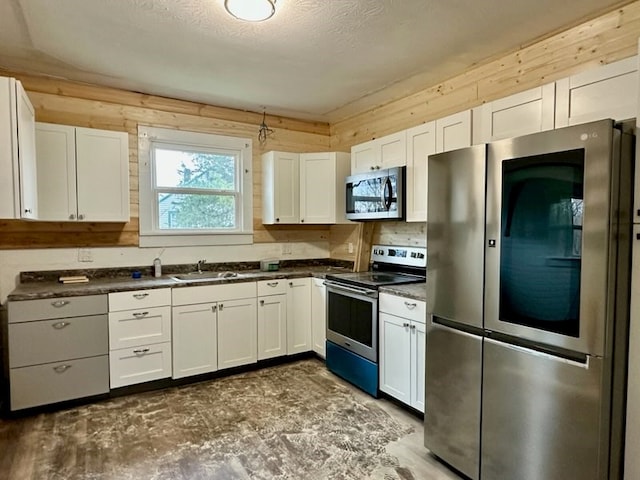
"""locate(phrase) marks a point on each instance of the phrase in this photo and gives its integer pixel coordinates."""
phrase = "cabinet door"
(520, 114)
(10, 178)
(319, 316)
(280, 188)
(102, 158)
(610, 91)
(56, 167)
(453, 132)
(27, 154)
(395, 357)
(365, 156)
(393, 150)
(421, 142)
(418, 358)
(272, 326)
(632, 460)
(194, 340)
(299, 316)
(237, 333)
(317, 188)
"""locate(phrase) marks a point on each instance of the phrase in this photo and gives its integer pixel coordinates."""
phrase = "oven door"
(352, 319)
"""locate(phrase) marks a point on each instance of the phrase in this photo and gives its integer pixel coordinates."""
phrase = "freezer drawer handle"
(60, 325)
(410, 305)
(140, 296)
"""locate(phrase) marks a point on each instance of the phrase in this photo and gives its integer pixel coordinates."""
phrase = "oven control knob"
(392, 252)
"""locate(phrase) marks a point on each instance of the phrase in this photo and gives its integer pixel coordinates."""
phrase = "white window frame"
(150, 233)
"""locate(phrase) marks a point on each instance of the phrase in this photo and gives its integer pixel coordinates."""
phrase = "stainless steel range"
(352, 311)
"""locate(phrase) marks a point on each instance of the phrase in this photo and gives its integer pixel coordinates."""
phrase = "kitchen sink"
(203, 276)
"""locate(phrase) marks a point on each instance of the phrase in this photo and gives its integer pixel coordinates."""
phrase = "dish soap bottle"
(157, 267)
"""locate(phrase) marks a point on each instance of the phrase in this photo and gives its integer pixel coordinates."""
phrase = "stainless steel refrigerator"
(528, 243)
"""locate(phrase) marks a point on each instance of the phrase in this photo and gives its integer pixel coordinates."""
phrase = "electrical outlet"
(350, 247)
(286, 249)
(85, 255)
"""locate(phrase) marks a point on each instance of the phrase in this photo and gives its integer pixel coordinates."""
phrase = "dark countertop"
(415, 291)
(50, 289)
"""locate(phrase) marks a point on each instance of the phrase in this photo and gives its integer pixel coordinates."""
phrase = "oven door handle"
(356, 290)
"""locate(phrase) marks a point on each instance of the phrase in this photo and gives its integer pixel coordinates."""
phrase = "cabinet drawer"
(272, 287)
(139, 327)
(44, 308)
(139, 299)
(45, 341)
(213, 293)
(403, 307)
(129, 366)
(56, 382)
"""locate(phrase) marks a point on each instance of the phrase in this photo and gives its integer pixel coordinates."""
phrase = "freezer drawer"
(453, 390)
(541, 416)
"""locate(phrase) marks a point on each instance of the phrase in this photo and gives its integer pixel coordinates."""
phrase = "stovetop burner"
(375, 279)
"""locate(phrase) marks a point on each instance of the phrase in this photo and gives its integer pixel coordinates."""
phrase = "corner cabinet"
(18, 187)
(83, 174)
(304, 188)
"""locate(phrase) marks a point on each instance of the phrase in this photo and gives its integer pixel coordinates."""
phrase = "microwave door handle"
(387, 198)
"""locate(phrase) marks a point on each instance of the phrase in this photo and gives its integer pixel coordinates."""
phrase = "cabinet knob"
(72, 216)
(220, 306)
(413, 327)
(81, 216)
(302, 220)
(277, 219)
(214, 308)
(262, 303)
(28, 210)
(377, 167)
(372, 167)
(291, 284)
(405, 324)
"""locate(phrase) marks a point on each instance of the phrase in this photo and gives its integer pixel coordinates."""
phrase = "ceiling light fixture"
(264, 131)
(251, 10)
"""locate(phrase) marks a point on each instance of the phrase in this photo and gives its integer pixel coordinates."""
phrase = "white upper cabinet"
(421, 142)
(304, 187)
(18, 188)
(610, 91)
(520, 114)
(453, 132)
(83, 174)
(280, 188)
(384, 152)
(322, 187)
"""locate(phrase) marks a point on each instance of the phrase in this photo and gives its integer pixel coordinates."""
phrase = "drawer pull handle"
(141, 351)
(140, 314)
(60, 325)
(272, 284)
(61, 368)
(60, 303)
(140, 296)
(410, 305)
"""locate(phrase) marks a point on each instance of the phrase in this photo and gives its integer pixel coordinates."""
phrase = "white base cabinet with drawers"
(214, 327)
(58, 350)
(139, 336)
(402, 348)
(272, 318)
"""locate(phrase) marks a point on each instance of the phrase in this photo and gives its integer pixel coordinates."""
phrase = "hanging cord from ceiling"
(264, 131)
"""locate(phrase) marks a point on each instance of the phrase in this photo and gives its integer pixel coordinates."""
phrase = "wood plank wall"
(605, 39)
(63, 102)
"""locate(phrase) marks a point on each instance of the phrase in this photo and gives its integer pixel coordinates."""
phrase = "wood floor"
(293, 421)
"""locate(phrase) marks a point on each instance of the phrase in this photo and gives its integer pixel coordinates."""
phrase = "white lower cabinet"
(299, 315)
(139, 336)
(402, 349)
(319, 316)
(195, 339)
(272, 318)
(237, 333)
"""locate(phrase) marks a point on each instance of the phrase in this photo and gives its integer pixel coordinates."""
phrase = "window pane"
(196, 211)
(184, 169)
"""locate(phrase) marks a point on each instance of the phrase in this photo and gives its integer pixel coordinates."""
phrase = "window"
(195, 188)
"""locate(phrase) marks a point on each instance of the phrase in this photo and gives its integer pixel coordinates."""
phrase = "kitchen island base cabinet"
(195, 339)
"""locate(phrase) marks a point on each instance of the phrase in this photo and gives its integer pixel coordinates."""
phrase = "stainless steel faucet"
(200, 264)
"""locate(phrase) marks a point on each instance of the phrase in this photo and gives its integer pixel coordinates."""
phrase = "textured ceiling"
(315, 59)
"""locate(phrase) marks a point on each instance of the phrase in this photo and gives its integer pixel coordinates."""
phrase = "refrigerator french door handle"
(454, 327)
(537, 353)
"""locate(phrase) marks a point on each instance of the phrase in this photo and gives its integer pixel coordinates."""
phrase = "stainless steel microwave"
(377, 195)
